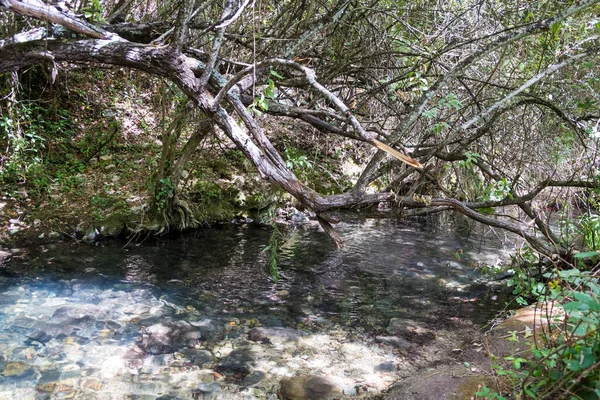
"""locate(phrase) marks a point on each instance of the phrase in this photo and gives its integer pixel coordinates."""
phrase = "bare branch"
(550, 70)
(40, 10)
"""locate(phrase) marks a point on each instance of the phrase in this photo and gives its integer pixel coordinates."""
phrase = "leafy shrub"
(567, 365)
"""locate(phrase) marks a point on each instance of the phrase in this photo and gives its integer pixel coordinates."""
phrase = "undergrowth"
(564, 357)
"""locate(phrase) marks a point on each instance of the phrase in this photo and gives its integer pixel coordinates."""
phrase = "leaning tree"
(472, 106)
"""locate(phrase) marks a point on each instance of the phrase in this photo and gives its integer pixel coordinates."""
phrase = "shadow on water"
(214, 279)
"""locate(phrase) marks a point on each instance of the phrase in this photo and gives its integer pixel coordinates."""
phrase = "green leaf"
(430, 114)
(587, 254)
(275, 74)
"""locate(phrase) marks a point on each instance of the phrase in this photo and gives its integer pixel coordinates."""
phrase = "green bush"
(567, 365)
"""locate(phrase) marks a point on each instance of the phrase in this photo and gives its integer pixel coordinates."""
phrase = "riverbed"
(199, 316)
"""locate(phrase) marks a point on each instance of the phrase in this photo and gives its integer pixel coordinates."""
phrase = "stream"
(199, 316)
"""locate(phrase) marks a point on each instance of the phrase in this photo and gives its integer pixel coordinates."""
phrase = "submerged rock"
(207, 389)
(200, 358)
(410, 330)
(394, 341)
(237, 362)
(308, 387)
(253, 378)
(275, 335)
(17, 370)
(163, 338)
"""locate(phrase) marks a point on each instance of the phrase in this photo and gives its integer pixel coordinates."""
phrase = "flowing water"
(170, 319)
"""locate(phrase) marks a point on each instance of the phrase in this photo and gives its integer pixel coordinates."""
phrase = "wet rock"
(156, 364)
(49, 376)
(157, 348)
(275, 335)
(308, 387)
(3, 256)
(206, 389)
(88, 384)
(237, 362)
(386, 367)
(17, 370)
(165, 338)
(92, 235)
(394, 341)
(253, 378)
(25, 322)
(112, 226)
(410, 330)
(39, 336)
(200, 358)
(23, 353)
(299, 218)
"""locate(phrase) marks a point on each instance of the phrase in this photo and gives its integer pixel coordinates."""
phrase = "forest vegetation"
(489, 108)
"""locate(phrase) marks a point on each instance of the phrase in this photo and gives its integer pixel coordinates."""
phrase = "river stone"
(308, 387)
(386, 367)
(237, 362)
(112, 367)
(199, 358)
(93, 384)
(17, 370)
(49, 376)
(39, 336)
(394, 341)
(207, 388)
(165, 338)
(275, 335)
(253, 378)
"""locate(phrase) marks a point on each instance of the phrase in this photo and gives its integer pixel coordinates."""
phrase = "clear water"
(59, 301)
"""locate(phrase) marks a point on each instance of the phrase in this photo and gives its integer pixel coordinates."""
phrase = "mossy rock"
(112, 226)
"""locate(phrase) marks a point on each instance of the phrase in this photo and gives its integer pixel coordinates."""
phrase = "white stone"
(112, 367)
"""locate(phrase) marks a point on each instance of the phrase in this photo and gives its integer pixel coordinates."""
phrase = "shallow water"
(85, 322)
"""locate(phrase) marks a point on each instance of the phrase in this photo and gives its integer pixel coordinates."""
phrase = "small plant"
(470, 159)
(272, 249)
(93, 11)
(295, 160)
(164, 192)
(498, 190)
(589, 228)
(261, 103)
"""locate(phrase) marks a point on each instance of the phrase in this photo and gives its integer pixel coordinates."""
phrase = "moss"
(112, 226)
